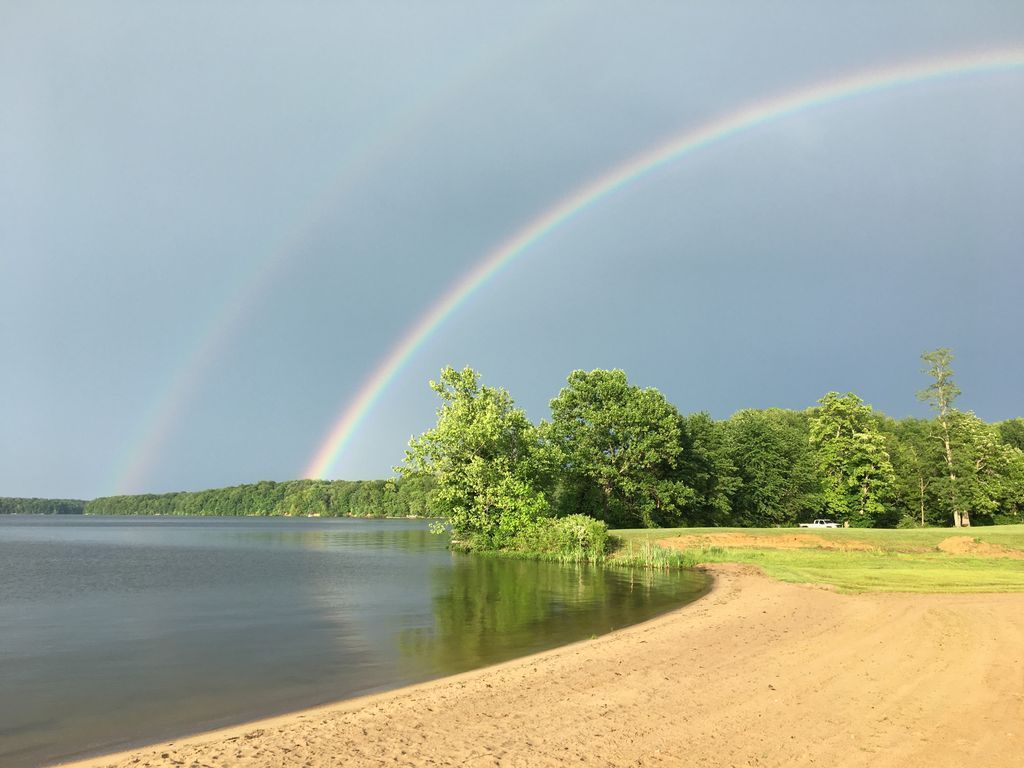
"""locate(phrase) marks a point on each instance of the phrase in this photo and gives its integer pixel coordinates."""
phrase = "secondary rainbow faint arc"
(745, 118)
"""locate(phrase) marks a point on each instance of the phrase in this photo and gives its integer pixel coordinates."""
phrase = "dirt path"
(759, 673)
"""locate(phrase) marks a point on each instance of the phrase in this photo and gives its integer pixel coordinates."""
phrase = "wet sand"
(757, 673)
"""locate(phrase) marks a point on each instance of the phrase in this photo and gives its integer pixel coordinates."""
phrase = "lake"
(117, 631)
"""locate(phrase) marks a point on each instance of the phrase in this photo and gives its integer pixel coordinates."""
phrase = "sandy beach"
(757, 673)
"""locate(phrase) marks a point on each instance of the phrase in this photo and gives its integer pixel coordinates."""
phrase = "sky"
(218, 218)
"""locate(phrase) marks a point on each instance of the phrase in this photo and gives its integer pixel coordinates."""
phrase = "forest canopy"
(626, 456)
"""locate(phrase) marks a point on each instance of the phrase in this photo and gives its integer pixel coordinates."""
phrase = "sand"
(757, 673)
(965, 545)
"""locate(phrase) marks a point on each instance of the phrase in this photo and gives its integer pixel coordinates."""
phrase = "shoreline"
(238, 730)
(755, 672)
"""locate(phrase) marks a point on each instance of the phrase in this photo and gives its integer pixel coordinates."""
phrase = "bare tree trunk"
(958, 516)
(922, 484)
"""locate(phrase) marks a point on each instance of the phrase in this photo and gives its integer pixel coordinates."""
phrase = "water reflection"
(487, 610)
(126, 630)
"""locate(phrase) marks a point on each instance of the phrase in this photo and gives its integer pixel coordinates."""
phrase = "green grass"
(897, 561)
(647, 554)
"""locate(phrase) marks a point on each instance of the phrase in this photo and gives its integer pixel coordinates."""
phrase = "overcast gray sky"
(217, 217)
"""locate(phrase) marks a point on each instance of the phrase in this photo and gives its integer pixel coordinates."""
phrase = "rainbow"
(744, 119)
(142, 451)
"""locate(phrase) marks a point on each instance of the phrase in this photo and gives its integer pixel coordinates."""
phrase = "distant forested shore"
(317, 498)
(17, 506)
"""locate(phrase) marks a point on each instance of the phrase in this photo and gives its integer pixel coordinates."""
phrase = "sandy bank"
(758, 673)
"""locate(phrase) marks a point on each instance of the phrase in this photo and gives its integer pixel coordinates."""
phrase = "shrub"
(576, 538)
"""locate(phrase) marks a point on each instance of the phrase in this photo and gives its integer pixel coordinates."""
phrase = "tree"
(1011, 432)
(618, 448)
(486, 459)
(1011, 499)
(985, 470)
(940, 394)
(855, 468)
(706, 466)
(916, 457)
(777, 479)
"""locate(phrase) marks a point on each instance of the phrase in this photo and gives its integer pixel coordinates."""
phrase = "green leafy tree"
(917, 461)
(856, 472)
(1011, 432)
(1011, 500)
(618, 447)
(777, 479)
(486, 459)
(985, 470)
(940, 394)
(706, 465)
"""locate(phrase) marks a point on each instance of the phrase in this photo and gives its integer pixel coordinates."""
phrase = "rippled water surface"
(118, 631)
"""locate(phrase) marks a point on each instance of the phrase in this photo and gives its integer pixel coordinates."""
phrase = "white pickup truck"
(820, 523)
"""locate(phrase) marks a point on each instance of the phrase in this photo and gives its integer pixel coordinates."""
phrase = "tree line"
(15, 506)
(626, 456)
(323, 498)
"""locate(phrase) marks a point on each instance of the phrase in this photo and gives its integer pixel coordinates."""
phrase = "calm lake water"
(120, 631)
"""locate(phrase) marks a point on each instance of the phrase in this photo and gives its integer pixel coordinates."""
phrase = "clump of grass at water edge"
(629, 553)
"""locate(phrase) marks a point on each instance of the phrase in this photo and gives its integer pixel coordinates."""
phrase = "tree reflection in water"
(490, 609)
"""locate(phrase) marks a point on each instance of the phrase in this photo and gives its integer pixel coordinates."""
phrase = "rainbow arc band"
(744, 119)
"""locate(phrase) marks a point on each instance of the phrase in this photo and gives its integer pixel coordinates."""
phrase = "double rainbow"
(742, 120)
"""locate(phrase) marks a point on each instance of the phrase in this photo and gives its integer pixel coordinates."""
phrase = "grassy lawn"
(886, 560)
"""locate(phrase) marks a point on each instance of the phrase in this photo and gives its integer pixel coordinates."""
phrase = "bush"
(576, 538)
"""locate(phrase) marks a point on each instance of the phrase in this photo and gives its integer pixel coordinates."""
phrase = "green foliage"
(917, 460)
(707, 465)
(486, 459)
(856, 472)
(576, 538)
(986, 473)
(16, 506)
(1011, 432)
(648, 554)
(943, 390)
(778, 481)
(323, 498)
(618, 448)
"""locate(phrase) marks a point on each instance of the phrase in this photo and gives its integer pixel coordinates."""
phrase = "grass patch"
(648, 554)
(906, 560)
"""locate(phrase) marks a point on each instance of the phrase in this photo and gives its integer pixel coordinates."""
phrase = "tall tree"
(940, 394)
(856, 471)
(619, 447)
(486, 459)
